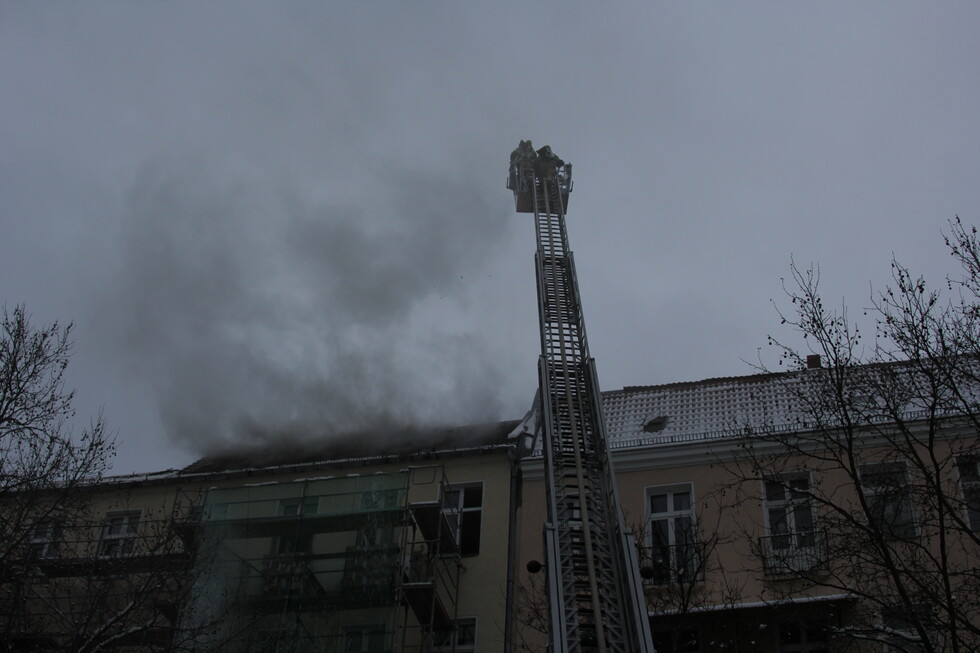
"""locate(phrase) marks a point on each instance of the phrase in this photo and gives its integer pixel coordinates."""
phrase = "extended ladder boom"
(595, 594)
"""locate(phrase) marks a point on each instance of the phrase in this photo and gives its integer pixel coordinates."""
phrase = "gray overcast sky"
(289, 220)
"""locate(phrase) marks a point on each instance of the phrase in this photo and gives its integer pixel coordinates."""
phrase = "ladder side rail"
(641, 615)
(627, 560)
(555, 592)
(580, 313)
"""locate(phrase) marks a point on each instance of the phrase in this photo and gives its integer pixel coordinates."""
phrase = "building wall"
(735, 602)
(147, 507)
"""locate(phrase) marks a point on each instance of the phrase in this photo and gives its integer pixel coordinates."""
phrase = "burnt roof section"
(394, 445)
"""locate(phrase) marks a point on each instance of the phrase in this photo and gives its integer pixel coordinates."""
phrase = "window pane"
(775, 491)
(658, 530)
(466, 634)
(778, 522)
(473, 497)
(968, 468)
(377, 640)
(799, 487)
(658, 503)
(470, 533)
(353, 641)
(972, 496)
(683, 530)
(816, 633)
(452, 498)
(682, 501)
(790, 633)
(804, 518)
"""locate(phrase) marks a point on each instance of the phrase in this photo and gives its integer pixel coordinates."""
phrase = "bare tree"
(684, 578)
(869, 473)
(44, 465)
(42, 461)
(38, 450)
(531, 612)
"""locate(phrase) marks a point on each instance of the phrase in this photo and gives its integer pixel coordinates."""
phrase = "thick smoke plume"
(258, 311)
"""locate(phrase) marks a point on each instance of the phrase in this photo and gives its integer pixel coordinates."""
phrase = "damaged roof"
(402, 444)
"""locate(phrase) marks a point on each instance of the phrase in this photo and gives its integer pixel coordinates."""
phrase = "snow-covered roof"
(723, 407)
(676, 412)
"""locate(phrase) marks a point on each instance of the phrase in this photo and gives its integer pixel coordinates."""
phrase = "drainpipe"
(515, 502)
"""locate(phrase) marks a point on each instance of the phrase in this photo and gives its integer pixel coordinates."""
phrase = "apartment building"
(403, 550)
(764, 525)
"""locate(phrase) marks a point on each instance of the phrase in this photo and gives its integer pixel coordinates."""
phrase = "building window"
(899, 623)
(464, 637)
(672, 548)
(803, 637)
(677, 640)
(463, 506)
(216, 511)
(886, 490)
(294, 544)
(46, 539)
(792, 543)
(298, 506)
(368, 638)
(377, 530)
(969, 467)
(119, 533)
(373, 500)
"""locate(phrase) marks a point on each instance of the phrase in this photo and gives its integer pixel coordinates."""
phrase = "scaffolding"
(352, 564)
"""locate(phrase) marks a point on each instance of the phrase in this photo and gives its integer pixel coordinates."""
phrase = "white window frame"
(675, 531)
(46, 538)
(455, 645)
(454, 513)
(796, 503)
(119, 542)
(792, 543)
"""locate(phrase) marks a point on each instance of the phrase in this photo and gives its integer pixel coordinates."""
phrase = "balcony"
(83, 551)
(430, 585)
(673, 564)
(787, 554)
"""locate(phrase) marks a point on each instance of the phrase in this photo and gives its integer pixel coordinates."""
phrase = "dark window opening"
(464, 511)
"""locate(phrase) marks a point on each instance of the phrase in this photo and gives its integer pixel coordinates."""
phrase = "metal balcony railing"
(791, 553)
